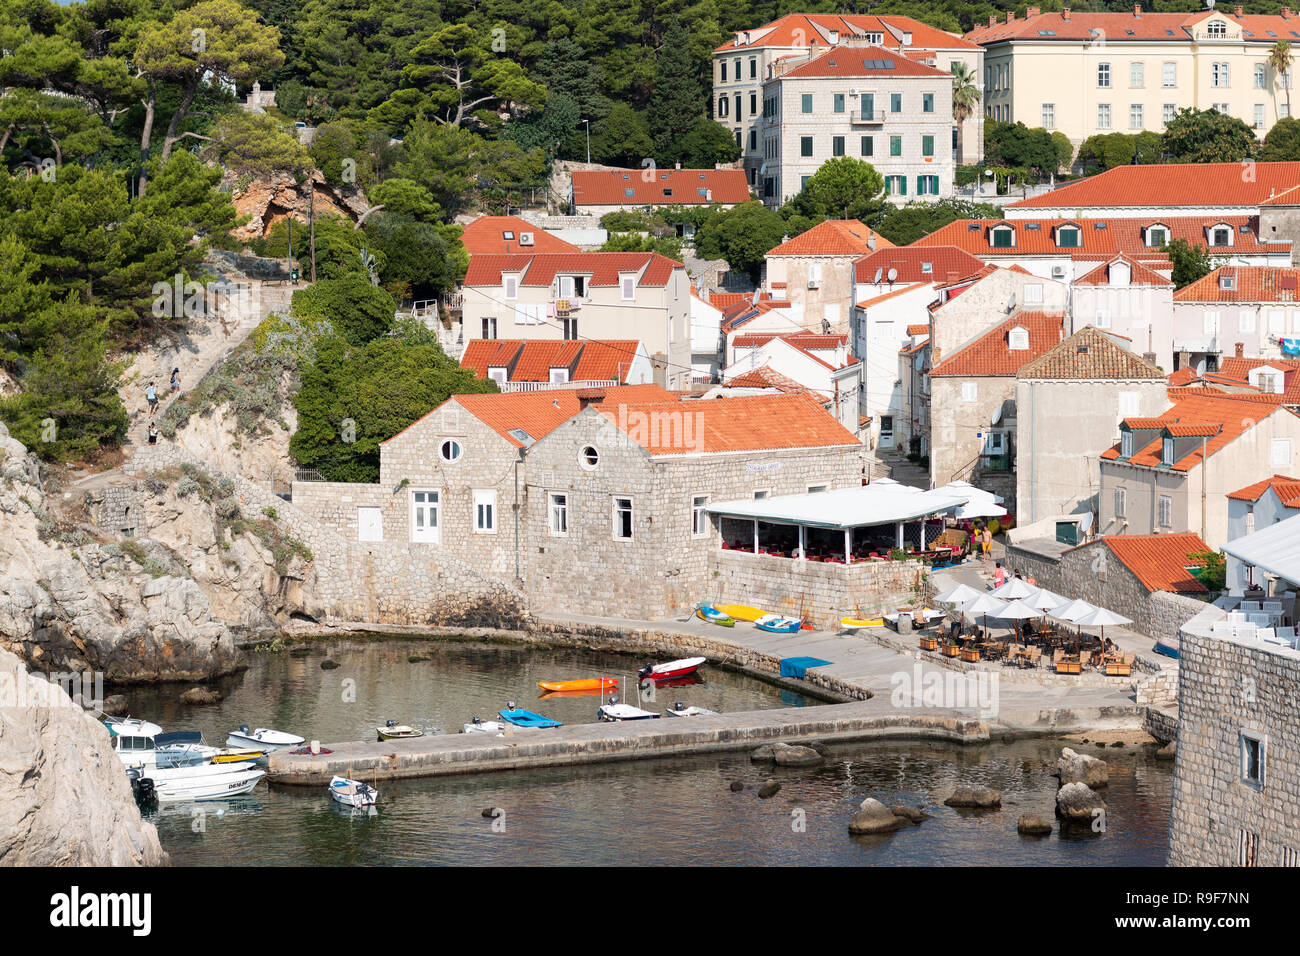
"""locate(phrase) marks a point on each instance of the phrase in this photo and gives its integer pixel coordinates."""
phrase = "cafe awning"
(1275, 549)
(844, 508)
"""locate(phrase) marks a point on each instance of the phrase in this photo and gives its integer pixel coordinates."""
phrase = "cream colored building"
(1087, 73)
(744, 63)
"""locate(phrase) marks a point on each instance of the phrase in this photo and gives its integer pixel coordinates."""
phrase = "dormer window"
(1167, 451)
(927, 267)
(1120, 274)
(511, 285)
(1002, 237)
(559, 376)
(1219, 235)
(1216, 28)
(1157, 235)
(1227, 281)
(1126, 445)
(1018, 339)
(507, 235)
(1067, 237)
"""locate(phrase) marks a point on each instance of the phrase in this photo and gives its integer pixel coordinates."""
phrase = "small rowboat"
(238, 756)
(679, 668)
(480, 726)
(741, 612)
(589, 683)
(353, 793)
(264, 738)
(623, 712)
(855, 622)
(679, 709)
(525, 718)
(395, 731)
(707, 612)
(778, 624)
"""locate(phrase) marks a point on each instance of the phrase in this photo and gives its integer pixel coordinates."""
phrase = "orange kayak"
(590, 683)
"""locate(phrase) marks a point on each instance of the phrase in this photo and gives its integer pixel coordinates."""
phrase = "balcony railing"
(867, 118)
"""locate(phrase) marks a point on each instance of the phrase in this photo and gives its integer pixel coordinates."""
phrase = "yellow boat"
(740, 612)
(238, 756)
(859, 622)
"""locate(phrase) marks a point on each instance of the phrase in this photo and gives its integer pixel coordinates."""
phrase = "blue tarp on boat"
(798, 666)
(526, 718)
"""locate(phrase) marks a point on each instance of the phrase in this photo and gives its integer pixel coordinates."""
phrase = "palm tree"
(1279, 58)
(965, 100)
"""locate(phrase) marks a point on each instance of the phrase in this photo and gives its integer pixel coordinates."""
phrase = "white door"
(370, 524)
(424, 517)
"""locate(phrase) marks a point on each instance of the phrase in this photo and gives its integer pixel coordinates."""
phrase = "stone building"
(815, 272)
(1236, 793)
(1254, 508)
(596, 192)
(526, 364)
(1069, 403)
(1237, 311)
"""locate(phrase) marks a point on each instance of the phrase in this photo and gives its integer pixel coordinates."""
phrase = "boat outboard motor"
(243, 729)
(390, 723)
(645, 671)
(510, 705)
(677, 705)
(476, 720)
(142, 787)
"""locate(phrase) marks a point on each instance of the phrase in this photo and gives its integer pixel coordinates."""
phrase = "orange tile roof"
(915, 347)
(1089, 354)
(946, 263)
(812, 341)
(666, 187)
(920, 328)
(1160, 561)
(500, 235)
(886, 296)
(1170, 185)
(799, 30)
(1236, 371)
(540, 412)
(1233, 414)
(724, 300)
(1139, 274)
(990, 354)
(1115, 235)
(1249, 284)
(768, 377)
(604, 268)
(1287, 490)
(860, 61)
(715, 425)
(833, 237)
(587, 360)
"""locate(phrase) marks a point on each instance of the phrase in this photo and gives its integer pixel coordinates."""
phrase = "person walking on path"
(153, 434)
(176, 380)
(151, 396)
(988, 540)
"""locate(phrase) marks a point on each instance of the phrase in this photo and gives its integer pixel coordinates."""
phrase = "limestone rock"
(770, 788)
(1030, 824)
(874, 817)
(911, 814)
(64, 800)
(974, 796)
(200, 695)
(115, 705)
(764, 754)
(1082, 768)
(737, 786)
(1168, 752)
(1078, 803)
(786, 755)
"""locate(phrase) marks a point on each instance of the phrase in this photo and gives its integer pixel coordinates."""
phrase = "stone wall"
(822, 593)
(1160, 689)
(379, 582)
(115, 509)
(1230, 687)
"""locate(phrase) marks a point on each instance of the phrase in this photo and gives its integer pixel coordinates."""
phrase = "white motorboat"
(263, 738)
(131, 727)
(353, 793)
(480, 726)
(678, 709)
(395, 731)
(178, 749)
(612, 711)
(202, 782)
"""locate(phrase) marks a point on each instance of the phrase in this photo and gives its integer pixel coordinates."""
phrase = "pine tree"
(675, 105)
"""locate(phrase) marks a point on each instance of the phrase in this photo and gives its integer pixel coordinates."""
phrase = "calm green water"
(672, 811)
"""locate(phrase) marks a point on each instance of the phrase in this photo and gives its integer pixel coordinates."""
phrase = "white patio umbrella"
(985, 604)
(1072, 611)
(966, 486)
(1100, 618)
(1045, 600)
(958, 595)
(1013, 589)
(1018, 611)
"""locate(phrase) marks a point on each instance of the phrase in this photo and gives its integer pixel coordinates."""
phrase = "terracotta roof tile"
(834, 237)
(1037, 236)
(1139, 274)
(587, 360)
(1236, 371)
(921, 328)
(1160, 561)
(945, 264)
(1089, 354)
(1287, 490)
(1249, 284)
(990, 354)
(667, 187)
(1170, 185)
(886, 296)
(750, 423)
(860, 61)
(812, 341)
(801, 29)
(768, 377)
(603, 267)
(1233, 414)
(500, 235)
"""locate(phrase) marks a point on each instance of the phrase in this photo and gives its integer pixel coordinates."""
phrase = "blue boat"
(778, 624)
(1168, 646)
(526, 718)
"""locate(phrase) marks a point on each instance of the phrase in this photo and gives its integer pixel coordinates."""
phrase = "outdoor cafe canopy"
(843, 509)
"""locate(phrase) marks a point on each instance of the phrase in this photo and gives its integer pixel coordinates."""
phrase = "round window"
(451, 450)
(589, 458)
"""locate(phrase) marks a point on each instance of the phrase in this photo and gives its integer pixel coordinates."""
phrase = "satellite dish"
(876, 280)
(893, 274)
(1209, 4)
(1086, 524)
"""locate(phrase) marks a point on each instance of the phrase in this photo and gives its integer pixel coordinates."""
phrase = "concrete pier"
(670, 736)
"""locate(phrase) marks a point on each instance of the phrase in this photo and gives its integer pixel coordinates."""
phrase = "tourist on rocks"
(153, 434)
(176, 380)
(151, 396)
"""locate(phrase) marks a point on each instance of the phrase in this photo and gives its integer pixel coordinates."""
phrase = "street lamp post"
(587, 123)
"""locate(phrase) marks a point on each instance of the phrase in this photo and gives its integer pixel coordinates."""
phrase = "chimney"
(1011, 16)
(1241, 349)
(1032, 12)
(1137, 10)
(677, 166)
(1237, 11)
(1065, 13)
(590, 396)
(1286, 13)
(993, 21)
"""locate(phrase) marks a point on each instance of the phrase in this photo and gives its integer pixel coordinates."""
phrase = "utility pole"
(311, 219)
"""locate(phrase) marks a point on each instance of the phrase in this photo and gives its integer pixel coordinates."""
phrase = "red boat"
(681, 668)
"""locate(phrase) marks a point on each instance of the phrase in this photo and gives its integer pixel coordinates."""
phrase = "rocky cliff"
(64, 800)
(266, 201)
